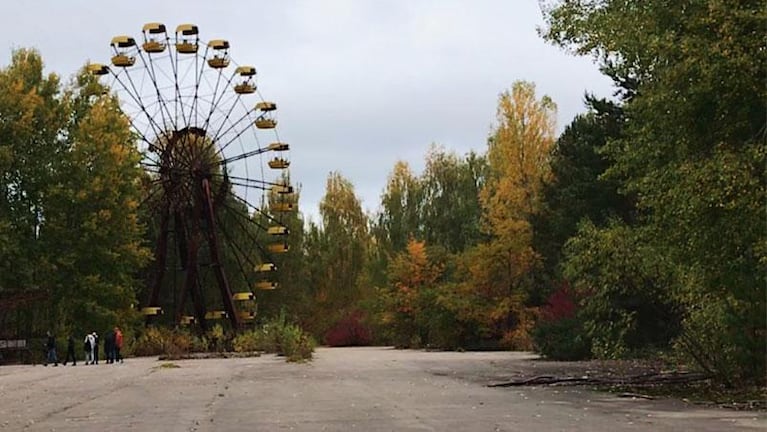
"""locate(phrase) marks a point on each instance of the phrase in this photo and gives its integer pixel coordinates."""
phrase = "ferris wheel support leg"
(191, 284)
(223, 284)
(160, 254)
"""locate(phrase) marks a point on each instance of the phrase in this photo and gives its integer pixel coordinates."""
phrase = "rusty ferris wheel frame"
(203, 130)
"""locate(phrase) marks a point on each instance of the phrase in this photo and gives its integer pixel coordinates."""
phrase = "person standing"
(95, 348)
(71, 351)
(50, 347)
(109, 343)
(89, 344)
(118, 344)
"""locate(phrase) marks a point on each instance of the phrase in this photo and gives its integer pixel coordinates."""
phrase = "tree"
(33, 114)
(693, 153)
(401, 206)
(518, 166)
(338, 252)
(69, 197)
(451, 209)
(92, 226)
(577, 189)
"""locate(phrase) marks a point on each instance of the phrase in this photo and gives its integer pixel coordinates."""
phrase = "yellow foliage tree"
(518, 160)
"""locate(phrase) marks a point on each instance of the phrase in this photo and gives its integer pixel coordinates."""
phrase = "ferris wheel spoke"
(250, 180)
(215, 101)
(137, 100)
(177, 98)
(223, 147)
(169, 121)
(198, 72)
(238, 252)
(242, 221)
(256, 209)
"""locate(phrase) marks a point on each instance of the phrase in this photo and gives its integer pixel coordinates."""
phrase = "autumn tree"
(518, 166)
(336, 254)
(409, 300)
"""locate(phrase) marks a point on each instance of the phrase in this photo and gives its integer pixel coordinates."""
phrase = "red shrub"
(349, 331)
(560, 304)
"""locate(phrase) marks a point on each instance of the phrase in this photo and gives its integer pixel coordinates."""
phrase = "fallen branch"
(643, 379)
(635, 396)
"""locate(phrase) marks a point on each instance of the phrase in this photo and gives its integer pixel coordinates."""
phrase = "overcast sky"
(359, 84)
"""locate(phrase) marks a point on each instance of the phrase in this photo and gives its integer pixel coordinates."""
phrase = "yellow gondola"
(266, 106)
(246, 315)
(151, 310)
(278, 248)
(277, 230)
(282, 207)
(278, 146)
(152, 45)
(282, 189)
(187, 46)
(212, 315)
(266, 285)
(246, 86)
(98, 69)
(266, 267)
(220, 58)
(243, 296)
(187, 320)
(265, 123)
(279, 163)
(121, 57)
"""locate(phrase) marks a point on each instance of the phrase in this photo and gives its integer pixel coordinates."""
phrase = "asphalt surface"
(342, 389)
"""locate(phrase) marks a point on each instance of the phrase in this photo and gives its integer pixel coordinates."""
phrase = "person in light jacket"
(89, 343)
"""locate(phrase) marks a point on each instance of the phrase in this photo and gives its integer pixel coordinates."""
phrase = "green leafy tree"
(400, 217)
(92, 224)
(70, 193)
(577, 189)
(693, 153)
(338, 252)
(451, 211)
(31, 148)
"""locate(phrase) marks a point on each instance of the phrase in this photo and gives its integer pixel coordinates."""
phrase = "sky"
(360, 84)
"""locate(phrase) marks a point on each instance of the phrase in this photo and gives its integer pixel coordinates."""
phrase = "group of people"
(113, 343)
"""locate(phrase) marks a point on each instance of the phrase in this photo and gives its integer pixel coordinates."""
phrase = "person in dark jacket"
(50, 347)
(109, 343)
(95, 348)
(71, 351)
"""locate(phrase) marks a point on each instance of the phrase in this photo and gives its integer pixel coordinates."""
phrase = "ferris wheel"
(216, 170)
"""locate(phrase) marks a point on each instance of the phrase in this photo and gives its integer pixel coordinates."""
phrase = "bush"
(563, 339)
(277, 336)
(248, 341)
(163, 341)
(350, 331)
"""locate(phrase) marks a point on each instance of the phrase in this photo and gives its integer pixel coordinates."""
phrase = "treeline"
(639, 231)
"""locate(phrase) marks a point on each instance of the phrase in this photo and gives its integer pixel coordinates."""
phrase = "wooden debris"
(642, 379)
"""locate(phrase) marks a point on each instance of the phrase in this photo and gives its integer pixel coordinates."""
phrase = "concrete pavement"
(342, 389)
